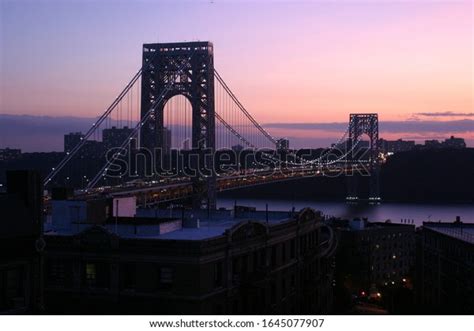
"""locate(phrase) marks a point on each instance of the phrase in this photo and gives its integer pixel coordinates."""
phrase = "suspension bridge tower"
(187, 69)
(360, 124)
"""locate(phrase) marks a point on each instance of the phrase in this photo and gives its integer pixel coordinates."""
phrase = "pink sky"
(308, 62)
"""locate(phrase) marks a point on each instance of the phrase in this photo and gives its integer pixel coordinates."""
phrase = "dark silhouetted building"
(374, 255)
(188, 263)
(237, 148)
(115, 137)
(167, 141)
(8, 154)
(21, 244)
(283, 144)
(433, 144)
(71, 140)
(453, 142)
(91, 149)
(445, 268)
(395, 146)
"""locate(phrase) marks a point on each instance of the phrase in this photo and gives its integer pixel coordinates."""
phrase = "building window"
(235, 307)
(293, 249)
(293, 281)
(96, 274)
(235, 266)
(263, 257)
(58, 273)
(255, 260)
(218, 309)
(283, 287)
(245, 263)
(274, 255)
(166, 275)
(218, 274)
(12, 293)
(273, 294)
(91, 274)
(128, 276)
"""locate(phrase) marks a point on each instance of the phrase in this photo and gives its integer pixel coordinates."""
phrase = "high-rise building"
(454, 142)
(395, 146)
(21, 244)
(7, 154)
(374, 255)
(283, 144)
(115, 137)
(166, 141)
(237, 148)
(451, 142)
(71, 140)
(445, 268)
(90, 149)
(186, 145)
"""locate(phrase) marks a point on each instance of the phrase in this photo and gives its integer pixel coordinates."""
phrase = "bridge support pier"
(374, 184)
(352, 195)
(360, 124)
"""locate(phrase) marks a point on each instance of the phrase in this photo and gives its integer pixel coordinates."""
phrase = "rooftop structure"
(456, 230)
(70, 217)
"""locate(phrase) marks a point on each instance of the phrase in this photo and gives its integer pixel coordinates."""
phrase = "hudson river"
(419, 213)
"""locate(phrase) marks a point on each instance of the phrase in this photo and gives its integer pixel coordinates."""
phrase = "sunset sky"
(304, 62)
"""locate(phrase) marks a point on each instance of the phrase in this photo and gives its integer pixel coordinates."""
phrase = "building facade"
(115, 137)
(396, 146)
(445, 268)
(453, 142)
(71, 140)
(7, 154)
(374, 255)
(223, 265)
(283, 144)
(21, 244)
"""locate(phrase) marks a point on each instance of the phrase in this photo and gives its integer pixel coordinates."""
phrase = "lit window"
(166, 275)
(91, 273)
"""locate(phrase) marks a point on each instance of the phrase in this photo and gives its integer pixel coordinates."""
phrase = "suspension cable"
(143, 120)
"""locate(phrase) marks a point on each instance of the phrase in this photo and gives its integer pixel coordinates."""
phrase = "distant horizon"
(46, 133)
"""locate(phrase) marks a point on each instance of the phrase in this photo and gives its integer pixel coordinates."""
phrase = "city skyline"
(427, 80)
(45, 133)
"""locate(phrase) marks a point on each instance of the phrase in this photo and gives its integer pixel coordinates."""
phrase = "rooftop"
(358, 224)
(457, 230)
(175, 225)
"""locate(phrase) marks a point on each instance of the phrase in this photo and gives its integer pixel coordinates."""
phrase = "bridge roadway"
(171, 189)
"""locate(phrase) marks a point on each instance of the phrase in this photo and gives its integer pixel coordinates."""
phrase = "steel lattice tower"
(183, 69)
(360, 124)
